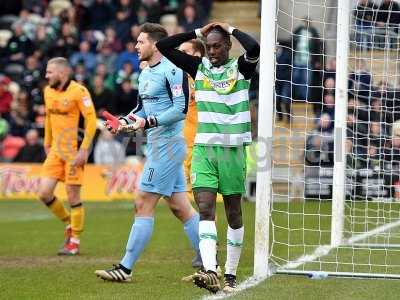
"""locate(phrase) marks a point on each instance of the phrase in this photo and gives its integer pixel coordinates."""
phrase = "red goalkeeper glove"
(112, 123)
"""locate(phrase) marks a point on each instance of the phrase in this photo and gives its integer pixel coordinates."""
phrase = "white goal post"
(328, 173)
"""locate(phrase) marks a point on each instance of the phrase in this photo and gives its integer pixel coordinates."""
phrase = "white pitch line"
(324, 250)
(26, 218)
(248, 283)
(319, 252)
(377, 230)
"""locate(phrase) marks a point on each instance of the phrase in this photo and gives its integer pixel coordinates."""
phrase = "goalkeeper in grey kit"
(162, 106)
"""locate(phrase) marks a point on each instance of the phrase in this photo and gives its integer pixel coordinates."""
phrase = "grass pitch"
(29, 268)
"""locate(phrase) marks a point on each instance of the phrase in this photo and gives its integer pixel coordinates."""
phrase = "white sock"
(233, 249)
(208, 244)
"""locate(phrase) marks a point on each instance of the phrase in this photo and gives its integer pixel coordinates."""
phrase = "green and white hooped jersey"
(222, 101)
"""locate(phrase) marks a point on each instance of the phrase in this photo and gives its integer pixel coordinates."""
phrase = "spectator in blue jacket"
(129, 55)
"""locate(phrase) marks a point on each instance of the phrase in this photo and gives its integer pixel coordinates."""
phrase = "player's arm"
(133, 121)
(47, 128)
(179, 93)
(178, 90)
(186, 62)
(86, 108)
(247, 62)
(138, 111)
(47, 133)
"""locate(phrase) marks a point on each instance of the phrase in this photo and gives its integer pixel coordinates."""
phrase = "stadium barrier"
(101, 182)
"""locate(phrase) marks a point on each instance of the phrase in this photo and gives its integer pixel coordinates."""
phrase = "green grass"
(29, 268)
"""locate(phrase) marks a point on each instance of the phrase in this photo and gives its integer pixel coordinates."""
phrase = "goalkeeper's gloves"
(139, 123)
(115, 125)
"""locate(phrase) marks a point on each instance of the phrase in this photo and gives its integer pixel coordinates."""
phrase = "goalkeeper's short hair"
(155, 31)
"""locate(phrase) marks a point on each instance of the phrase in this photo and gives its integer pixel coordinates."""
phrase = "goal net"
(333, 204)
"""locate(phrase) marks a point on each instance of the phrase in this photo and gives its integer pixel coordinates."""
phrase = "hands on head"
(207, 28)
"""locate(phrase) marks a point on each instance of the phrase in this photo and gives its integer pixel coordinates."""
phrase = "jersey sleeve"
(248, 61)
(87, 110)
(186, 62)
(137, 111)
(177, 86)
(47, 124)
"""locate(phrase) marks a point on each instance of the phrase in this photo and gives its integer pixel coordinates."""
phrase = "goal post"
(328, 176)
(339, 167)
(265, 127)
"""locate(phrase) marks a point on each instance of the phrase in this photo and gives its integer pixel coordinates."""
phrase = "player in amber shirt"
(196, 48)
(65, 101)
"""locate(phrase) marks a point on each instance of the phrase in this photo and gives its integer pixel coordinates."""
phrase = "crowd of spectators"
(373, 116)
(97, 36)
(376, 25)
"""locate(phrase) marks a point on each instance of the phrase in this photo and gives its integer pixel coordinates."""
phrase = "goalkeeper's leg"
(141, 232)
(182, 208)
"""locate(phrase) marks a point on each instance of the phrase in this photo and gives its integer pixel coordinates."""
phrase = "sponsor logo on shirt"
(149, 98)
(177, 90)
(56, 111)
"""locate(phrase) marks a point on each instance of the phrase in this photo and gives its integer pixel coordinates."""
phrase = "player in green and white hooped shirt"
(218, 164)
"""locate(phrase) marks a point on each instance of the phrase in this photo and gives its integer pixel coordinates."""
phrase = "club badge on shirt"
(177, 90)
(87, 102)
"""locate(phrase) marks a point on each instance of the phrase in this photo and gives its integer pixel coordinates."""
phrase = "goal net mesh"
(304, 140)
